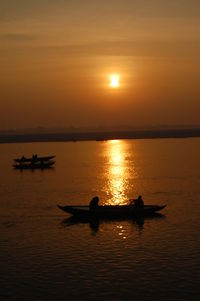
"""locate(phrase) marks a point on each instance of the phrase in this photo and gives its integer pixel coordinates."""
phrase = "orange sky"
(56, 57)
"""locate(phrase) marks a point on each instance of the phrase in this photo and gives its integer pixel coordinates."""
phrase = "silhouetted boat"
(35, 165)
(34, 157)
(123, 211)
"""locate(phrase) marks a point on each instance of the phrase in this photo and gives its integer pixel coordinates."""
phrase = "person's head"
(139, 198)
(95, 199)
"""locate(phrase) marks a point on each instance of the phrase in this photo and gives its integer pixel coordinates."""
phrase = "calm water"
(45, 256)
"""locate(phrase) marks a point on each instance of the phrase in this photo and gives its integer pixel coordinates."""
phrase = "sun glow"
(114, 80)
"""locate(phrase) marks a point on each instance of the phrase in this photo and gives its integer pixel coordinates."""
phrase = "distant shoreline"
(99, 136)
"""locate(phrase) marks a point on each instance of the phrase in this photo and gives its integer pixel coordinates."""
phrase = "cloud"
(17, 9)
(155, 47)
(139, 48)
(17, 37)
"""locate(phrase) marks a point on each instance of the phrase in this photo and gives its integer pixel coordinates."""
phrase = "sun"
(114, 81)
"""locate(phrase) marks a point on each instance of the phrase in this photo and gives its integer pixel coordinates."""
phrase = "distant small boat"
(35, 165)
(122, 211)
(34, 158)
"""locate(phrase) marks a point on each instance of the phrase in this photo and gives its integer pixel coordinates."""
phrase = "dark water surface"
(46, 256)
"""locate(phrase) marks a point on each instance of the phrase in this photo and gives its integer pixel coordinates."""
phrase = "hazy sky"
(56, 58)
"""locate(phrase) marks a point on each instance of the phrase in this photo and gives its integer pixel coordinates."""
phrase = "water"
(45, 256)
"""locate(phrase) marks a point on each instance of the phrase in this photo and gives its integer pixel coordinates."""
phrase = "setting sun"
(114, 81)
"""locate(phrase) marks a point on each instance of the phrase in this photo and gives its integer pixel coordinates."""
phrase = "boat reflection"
(95, 223)
(118, 173)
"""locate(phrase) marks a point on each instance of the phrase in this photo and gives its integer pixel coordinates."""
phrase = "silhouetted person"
(34, 158)
(139, 203)
(94, 203)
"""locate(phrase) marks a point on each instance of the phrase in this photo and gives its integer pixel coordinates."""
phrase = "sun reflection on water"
(118, 172)
(121, 232)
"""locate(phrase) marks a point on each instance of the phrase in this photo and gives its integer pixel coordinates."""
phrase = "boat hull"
(124, 211)
(37, 165)
(37, 159)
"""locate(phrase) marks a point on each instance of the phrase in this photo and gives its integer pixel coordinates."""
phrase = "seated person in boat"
(34, 158)
(138, 203)
(94, 203)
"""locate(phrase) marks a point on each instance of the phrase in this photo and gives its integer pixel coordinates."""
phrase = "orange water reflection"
(121, 231)
(118, 172)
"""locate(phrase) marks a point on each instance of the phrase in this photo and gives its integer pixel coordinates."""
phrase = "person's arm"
(132, 201)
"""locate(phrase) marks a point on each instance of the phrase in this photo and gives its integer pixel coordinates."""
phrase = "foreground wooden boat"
(123, 211)
(36, 165)
(34, 158)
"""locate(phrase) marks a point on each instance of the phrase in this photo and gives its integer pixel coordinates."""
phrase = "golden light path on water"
(119, 172)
